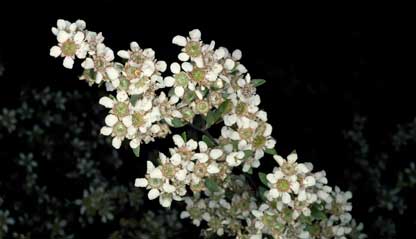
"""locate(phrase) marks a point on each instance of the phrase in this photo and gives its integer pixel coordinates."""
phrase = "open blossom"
(167, 107)
(196, 210)
(289, 166)
(70, 45)
(101, 63)
(192, 47)
(158, 184)
(181, 80)
(117, 122)
(141, 71)
(282, 186)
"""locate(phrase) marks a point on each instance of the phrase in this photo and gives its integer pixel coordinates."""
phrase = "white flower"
(119, 119)
(196, 209)
(181, 80)
(159, 185)
(167, 107)
(192, 47)
(70, 45)
(290, 167)
(234, 159)
(282, 186)
(100, 61)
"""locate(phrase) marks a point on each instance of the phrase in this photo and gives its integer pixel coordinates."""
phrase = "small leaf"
(270, 151)
(184, 136)
(263, 179)
(112, 97)
(211, 185)
(208, 141)
(317, 212)
(133, 99)
(257, 82)
(171, 92)
(250, 171)
(189, 96)
(261, 192)
(248, 153)
(214, 116)
(136, 151)
(210, 119)
(224, 108)
(313, 229)
(177, 123)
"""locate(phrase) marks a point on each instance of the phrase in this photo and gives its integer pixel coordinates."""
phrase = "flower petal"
(140, 182)
(68, 62)
(153, 193)
(55, 51)
(179, 40)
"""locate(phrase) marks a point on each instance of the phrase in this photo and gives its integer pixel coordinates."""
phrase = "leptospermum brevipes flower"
(207, 86)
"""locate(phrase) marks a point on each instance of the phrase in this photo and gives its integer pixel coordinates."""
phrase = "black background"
(322, 67)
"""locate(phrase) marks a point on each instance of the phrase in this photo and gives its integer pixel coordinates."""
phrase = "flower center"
(259, 141)
(137, 119)
(198, 75)
(121, 109)
(119, 129)
(195, 213)
(193, 49)
(246, 133)
(168, 170)
(181, 79)
(336, 209)
(155, 182)
(100, 63)
(202, 106)
(283, 185)
(132, 71)
(69, 48)
(200, 169)
(241, 108)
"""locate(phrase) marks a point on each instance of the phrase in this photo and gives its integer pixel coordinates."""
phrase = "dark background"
(321, 67)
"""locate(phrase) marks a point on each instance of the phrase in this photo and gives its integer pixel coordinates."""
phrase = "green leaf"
(270, 151)
(224, 108)
(136, 151)
(317, 212)
(313, 229)
(177, 123)
(210, 119)
(133, 99)
(211, 185)
(171, 92)
(208, 141)
(250, 171)
(257, 82)
(263, 179)
(214, 116)
(248, 153)
(261, 192)
(189, 96)
(112, 97)
(184, 136)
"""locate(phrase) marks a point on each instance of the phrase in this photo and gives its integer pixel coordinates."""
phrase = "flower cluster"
(207, 86)
(185, 168)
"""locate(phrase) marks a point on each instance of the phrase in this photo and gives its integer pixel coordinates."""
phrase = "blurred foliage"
(382, 175)
(60, 179)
